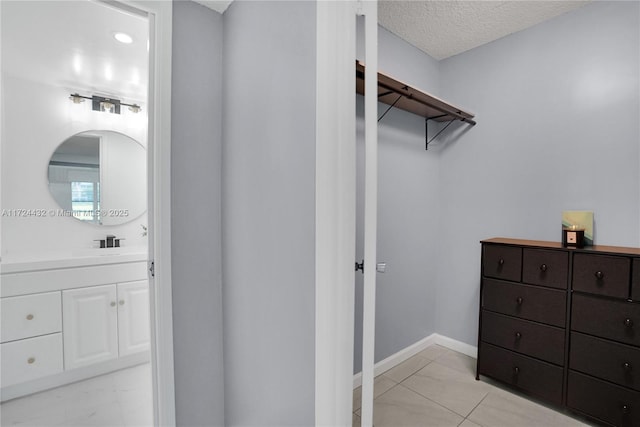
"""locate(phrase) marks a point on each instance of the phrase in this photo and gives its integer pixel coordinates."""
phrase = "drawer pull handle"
(29, 316)
(121, 302)
(599, 275)
(628, 323)
(543, 267)
(113, 304)
(518, 335)
(519, 300)
(501, 261)
(626, 409)
(516, 370)
(627, 366)
(31, 360)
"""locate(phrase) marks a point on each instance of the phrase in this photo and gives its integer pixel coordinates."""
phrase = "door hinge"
(152, 269)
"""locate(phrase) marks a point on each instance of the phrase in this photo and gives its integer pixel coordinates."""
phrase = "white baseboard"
(413, 349)
(455, 345)
(71, 376)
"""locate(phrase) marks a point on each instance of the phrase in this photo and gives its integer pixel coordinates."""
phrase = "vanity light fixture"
(107, 105)
(77, 99)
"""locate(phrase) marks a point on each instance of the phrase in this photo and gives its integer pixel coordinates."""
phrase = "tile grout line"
(475, 407)
(433, 401)
(428, 398)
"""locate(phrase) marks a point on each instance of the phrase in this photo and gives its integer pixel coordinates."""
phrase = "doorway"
(76, 72)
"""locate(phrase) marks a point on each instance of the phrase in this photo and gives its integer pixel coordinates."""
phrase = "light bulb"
(123, 38)
(107, 106)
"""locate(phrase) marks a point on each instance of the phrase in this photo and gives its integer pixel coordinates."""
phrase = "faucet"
(110, 242)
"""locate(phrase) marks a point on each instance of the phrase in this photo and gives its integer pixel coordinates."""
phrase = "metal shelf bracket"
(426, 128)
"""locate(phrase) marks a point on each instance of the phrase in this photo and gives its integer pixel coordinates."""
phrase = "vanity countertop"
(72, 259)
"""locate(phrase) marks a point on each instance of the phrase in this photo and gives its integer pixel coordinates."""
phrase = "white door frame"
(160, 14)
(335, 211)
(336, 207)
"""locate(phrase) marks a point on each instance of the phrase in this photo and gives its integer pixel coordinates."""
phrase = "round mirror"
(99, 177)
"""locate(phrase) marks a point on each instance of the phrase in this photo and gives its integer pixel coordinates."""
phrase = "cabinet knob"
(516, 370)
(518, 335)
(628, 323)
(599, 275)
(543, 267)
(627, 366)
(519, 300)
(29, 316)
(113, 304)
(501, 261)
(626, 409)
(31, 360)
(121, 302)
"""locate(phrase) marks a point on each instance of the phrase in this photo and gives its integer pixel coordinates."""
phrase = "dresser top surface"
(543, 244)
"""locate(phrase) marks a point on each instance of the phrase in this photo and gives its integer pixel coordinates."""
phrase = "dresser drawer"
(605, 359)
(533, 339)
(502, 262)
(31, 358)
(30, 316)
(635, 280)
(610, 403)
(545, 268)
(601, 274)
(525, 301)
(615, 320)
(536, 377)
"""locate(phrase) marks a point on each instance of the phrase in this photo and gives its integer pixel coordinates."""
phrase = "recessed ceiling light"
(123, 38)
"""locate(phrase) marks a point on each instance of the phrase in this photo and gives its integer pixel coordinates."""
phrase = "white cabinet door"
(90, 317)
(133, 317)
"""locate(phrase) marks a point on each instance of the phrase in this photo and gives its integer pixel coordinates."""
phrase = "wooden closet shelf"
(407, 98)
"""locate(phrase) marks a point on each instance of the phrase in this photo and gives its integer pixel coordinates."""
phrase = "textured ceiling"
(443, 28)
(446, 28)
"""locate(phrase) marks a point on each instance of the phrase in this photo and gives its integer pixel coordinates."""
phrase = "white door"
(133, 317)
(370, 11)
(90, 317)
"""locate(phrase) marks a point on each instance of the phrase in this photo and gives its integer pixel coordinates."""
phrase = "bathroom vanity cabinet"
(61, 325)
(562, 324)
(105, 322)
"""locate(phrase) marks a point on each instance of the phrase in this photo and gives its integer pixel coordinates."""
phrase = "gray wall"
(557, 108)
(407, 208)
(269, 213)
(196, 215)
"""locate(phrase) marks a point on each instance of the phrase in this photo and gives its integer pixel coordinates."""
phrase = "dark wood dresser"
(563, 325)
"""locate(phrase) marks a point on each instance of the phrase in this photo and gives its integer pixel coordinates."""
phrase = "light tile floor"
(437, 387)
(119, 399)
